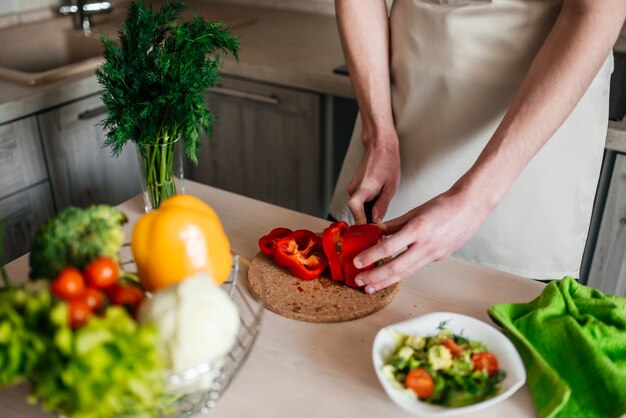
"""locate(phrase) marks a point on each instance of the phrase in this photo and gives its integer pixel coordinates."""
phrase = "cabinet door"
(266, 145)
(23, 212)
(82, 172)
(21, 157)
(608, 267)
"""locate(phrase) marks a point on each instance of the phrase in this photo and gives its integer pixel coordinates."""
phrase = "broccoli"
(75, 237)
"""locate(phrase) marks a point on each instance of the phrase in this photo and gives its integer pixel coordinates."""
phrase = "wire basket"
(197, 390)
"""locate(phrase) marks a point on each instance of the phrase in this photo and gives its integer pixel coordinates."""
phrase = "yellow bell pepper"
(184, 236)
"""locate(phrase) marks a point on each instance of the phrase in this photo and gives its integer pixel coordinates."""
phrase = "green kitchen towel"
(572, 340)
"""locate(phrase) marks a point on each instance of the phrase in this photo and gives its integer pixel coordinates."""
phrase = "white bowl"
(496, 342)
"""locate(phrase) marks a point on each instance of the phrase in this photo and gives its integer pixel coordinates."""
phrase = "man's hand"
(376, 179)
(427, 233)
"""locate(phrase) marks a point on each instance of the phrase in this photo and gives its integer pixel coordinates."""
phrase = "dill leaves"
(155, 79)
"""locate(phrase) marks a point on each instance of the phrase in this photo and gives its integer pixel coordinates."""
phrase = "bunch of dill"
(154, 82)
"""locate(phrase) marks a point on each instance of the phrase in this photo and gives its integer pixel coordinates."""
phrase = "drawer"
(22, 213)
(21, 156)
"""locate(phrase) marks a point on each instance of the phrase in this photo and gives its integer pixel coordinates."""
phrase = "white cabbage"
(197, 322)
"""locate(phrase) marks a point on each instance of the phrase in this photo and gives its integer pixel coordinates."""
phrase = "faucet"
(81, 10)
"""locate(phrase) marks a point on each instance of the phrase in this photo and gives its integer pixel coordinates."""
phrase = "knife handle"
(367, 208)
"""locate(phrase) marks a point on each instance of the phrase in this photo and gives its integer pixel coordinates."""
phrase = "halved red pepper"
(332, 242)
(301, 253)
(356, 239)
(267, 243)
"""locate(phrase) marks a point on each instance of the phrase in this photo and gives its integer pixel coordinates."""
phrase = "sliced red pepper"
(301, 253)
(267, 243)
(355, 240)
(332, 242)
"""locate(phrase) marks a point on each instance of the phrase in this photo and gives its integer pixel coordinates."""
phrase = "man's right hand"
(377, 177)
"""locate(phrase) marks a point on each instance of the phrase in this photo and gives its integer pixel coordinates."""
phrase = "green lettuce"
(109, 367)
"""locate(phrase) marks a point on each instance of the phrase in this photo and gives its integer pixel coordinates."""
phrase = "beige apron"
(455, 67)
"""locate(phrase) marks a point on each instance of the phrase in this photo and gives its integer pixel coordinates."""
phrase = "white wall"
(20, 6)
(319, 6)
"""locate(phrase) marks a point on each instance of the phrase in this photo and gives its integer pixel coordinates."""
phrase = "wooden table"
(300, 369)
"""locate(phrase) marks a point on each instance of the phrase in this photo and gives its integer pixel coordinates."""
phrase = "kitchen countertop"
(290, 48)
(324, 369)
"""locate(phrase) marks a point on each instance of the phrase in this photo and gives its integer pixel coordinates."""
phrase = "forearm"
(575, 49)
(364, 31)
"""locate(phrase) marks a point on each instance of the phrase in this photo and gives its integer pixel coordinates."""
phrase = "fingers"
(398, 269)
(355, 203)
(385, 248)
(418, 254)
(392, 226)
(381, 285)
(358, 204)
(382, 204)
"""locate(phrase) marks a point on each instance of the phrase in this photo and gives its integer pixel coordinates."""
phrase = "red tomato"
(93, 298)
(102, 272)
(485, 360)
(420, 382)
(69, 284)
(125, 295)
(78, 313)
(452, 346)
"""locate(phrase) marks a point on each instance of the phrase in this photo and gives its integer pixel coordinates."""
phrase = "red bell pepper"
(301, 253)
(332, 242)
(355, 240)
(267, 243)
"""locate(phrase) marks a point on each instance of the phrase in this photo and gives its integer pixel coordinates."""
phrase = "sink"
(50, 50)
(45, 51)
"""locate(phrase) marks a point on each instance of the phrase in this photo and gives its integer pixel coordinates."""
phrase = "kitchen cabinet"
(82, 172)
(25, 198)
(22, 214)
(266, 145)
(608, 265)
(21, 157)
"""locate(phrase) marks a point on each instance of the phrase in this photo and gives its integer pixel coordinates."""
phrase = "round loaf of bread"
(320, 300)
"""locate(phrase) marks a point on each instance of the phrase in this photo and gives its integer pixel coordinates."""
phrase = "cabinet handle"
(273, 100)
(92, 113)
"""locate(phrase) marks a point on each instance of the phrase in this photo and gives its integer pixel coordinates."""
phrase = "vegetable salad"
(444, 369)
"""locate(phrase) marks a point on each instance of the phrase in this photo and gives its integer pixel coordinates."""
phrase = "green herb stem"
(158, 163)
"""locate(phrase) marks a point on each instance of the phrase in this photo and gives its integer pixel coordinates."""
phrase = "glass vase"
(163, 172)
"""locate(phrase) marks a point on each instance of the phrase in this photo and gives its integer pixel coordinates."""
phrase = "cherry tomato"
(93, 298)
(125, 295)
(485, 360)
(420, 382)
(452, 346)
(78, 313)
(69, 284)
(102, 272)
